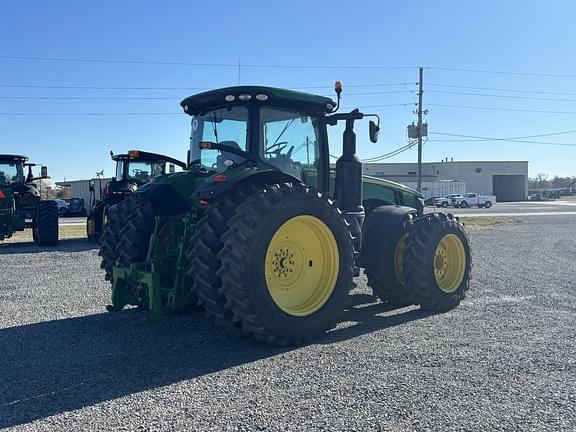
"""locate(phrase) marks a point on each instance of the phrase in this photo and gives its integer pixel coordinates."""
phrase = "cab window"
(289, 141)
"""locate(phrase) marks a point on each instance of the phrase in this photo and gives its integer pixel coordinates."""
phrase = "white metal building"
(81, 189)
(508, 180)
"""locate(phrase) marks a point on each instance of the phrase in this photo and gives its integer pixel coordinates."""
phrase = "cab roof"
(275, 96)
(147, 156)
(10, 157)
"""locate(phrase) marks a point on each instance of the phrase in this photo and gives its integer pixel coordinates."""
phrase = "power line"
(507, 139)
(182, 63)
(76, 114)
(502, 109)
(50, 98)
(79, 114)
(503, 96)
(504, 139)
(122, 98)
(497, 72)
(98, 87)
(87, 87)
(502, 89)
(391, 154)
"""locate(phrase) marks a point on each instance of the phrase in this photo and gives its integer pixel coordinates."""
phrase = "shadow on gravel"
(64, 245)
(56, 366)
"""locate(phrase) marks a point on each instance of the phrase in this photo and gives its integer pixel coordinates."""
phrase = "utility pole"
(420, 91)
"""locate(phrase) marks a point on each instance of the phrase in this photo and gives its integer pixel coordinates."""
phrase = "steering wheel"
(281, 146)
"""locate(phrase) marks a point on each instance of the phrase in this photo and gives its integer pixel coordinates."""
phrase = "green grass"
(65, 232)
(487, 222)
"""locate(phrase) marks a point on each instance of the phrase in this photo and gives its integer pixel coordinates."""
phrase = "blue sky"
(454, 40)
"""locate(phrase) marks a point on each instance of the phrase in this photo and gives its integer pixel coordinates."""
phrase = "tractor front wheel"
(287, 264)
(437, 262)
(45, 224)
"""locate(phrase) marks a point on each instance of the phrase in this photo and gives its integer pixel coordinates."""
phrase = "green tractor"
(20, 202)
(133, 169)
(263, 235)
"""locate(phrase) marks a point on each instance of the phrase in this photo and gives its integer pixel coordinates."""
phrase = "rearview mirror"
(374, 132)
(44, 172)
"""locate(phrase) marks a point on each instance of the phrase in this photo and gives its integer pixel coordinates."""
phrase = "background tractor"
(264, 235)
(133, 169)
(20, 200)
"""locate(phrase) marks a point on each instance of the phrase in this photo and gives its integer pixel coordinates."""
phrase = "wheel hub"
(284, 264)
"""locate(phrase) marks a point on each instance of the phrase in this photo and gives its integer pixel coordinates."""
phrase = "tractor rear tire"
(287, 264)
(138, 225)
(203, 256)
(45, 229)
(109, 240)
(386, 231)
(438, 262)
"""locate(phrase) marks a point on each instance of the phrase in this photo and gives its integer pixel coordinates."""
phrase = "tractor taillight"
(203, 203)
(219, 178)
(134, 154)
(2, 195)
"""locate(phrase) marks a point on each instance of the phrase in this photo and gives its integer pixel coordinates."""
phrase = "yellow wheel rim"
(449, 263)
(399, 258)
(302, 263)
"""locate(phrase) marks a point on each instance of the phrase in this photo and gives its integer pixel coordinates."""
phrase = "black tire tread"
(237, 245)
(386, 290)
(109, 240)
(419, 279)
(203, 257)
(47, 223)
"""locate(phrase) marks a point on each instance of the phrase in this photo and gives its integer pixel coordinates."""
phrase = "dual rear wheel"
(410, 260)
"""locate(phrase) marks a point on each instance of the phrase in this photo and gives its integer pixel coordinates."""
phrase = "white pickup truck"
(447, 200)
(473, 199)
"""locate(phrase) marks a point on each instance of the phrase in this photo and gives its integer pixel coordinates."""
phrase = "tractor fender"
(212, 189)
(165, 199)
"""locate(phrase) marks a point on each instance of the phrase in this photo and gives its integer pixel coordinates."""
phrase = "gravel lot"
(504, 360)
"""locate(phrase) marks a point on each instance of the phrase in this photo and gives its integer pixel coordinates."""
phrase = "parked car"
(446, 201)
(62, 206)
(430, 201)
(473, 199)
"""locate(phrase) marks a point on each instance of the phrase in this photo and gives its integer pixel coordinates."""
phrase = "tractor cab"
(135, 168)
(266, 128)
(11, 170)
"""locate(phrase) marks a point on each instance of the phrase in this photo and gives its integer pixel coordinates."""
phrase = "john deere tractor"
(20, 201)
(133, 169)
(263, 235)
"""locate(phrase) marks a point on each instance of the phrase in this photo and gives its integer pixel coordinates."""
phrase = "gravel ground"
(504, 360)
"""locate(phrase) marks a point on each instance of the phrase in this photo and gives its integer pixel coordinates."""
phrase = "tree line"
(543, 181)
